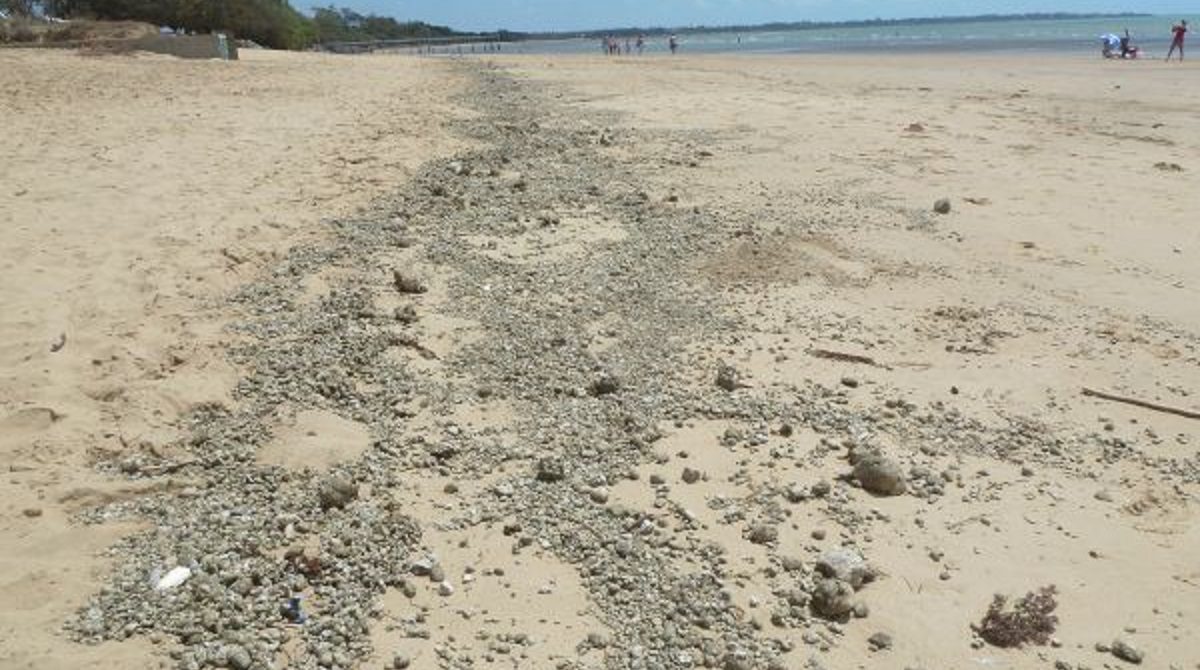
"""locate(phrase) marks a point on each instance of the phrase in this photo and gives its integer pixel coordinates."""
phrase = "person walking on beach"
(673, 42)
(1179, 31)
(641, 43)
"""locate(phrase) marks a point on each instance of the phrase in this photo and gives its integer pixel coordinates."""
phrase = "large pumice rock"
(550, 470)
(407, 284)
(833, 599)
(879, 474)
(728, 377)
(336, 492)
(237, 658)
(764, 533)
(1127, 652)
(605, 385)
(846, 565)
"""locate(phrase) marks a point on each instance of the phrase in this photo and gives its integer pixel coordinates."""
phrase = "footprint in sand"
(30, 420)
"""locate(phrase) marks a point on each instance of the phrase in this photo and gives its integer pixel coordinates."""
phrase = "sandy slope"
(135, 192)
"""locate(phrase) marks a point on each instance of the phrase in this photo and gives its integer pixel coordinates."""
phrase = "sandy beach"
(573, 362)
(138, 192)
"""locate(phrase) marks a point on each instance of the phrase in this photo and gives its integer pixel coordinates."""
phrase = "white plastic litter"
(176, 577)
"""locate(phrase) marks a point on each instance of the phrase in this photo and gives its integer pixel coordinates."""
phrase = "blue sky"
(580, 14)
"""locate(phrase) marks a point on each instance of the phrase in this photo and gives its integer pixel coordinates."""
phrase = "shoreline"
(957, 38)
(873, 49)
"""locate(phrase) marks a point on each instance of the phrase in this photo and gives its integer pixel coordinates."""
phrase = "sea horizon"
(1069, 35)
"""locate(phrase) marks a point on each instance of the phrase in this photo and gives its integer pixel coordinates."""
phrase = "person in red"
(1177, 43)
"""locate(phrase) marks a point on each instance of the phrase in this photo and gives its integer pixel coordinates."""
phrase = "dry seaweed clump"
(1030, 620)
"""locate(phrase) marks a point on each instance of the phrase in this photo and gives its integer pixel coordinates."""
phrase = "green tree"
(346, 25)
(273, 23)
(18, 7)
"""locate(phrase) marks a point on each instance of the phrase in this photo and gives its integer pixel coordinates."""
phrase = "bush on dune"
(274, 23)
(16, 31)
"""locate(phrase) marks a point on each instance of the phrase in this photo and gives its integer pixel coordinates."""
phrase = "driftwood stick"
(845, 358)
(168, 468)
(1091, 393)
(237, 260)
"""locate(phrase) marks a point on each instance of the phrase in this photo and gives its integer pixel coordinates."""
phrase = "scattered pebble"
(336, 492)
(407, 284)
(1127, 652)
(880, 475)
(880, 641)
(763, 533)
(846, 565)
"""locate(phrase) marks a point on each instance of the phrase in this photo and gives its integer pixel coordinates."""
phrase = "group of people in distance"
(1123, 47)
(613, 48)
(1119, 47)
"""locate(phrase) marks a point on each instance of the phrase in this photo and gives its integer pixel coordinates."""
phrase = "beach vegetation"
(18, 8)
(1029, 620)
(346, 25)
(271, 23)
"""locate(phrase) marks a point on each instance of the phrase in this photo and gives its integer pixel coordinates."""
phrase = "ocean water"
(1153, 34)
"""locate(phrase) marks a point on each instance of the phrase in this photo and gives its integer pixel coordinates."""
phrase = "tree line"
(347, 25)
(272, 23)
